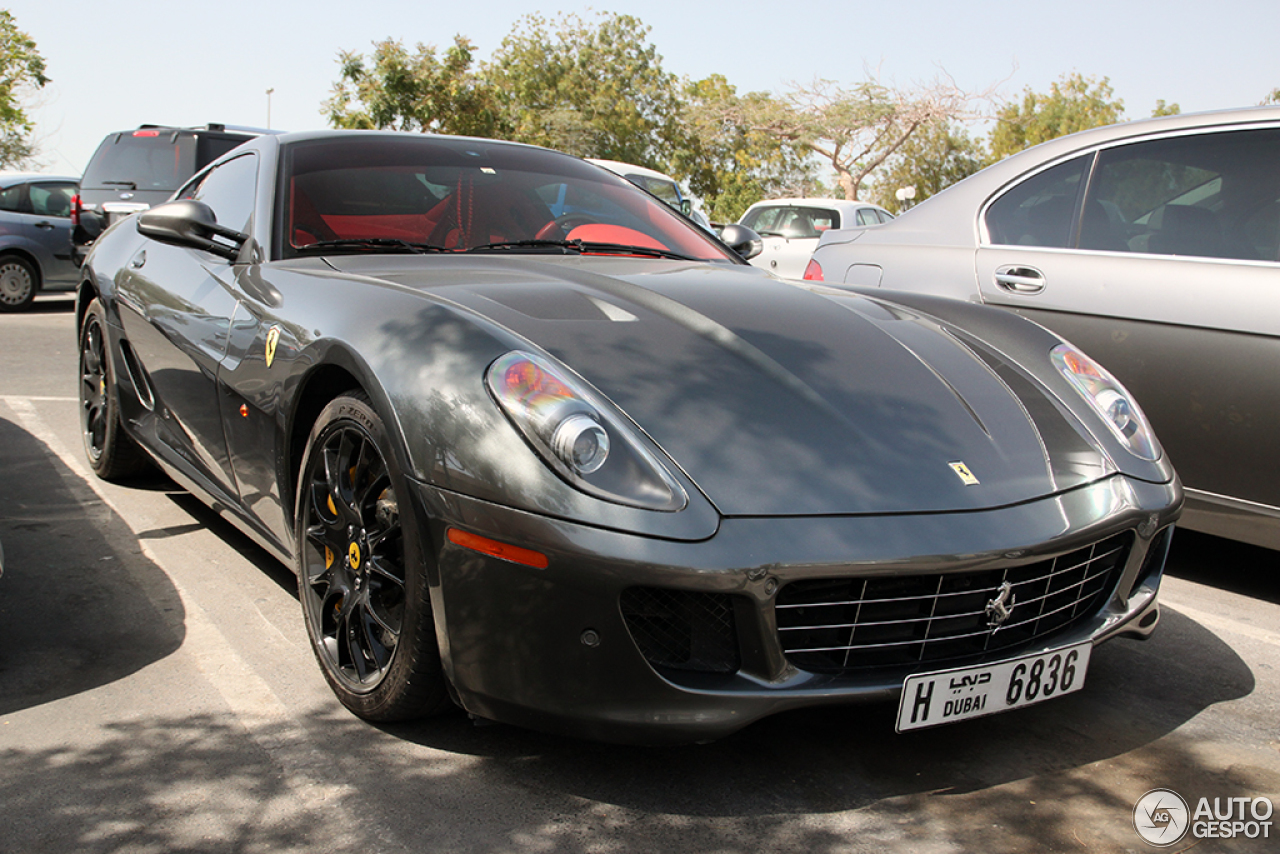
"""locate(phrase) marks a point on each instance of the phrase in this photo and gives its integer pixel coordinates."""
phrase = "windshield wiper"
(574, 245)
(628, 249)
(581, 247)
(371, 243)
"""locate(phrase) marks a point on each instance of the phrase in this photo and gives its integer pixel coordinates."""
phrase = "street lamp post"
(269, 91)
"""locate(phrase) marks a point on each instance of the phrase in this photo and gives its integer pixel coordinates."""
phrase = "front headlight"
(1116, 406)
(579, 435)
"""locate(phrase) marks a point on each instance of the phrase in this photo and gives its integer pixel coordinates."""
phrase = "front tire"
(361, 570)
(112, 453)
(19, 282)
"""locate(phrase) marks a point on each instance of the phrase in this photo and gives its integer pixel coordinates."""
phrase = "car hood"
(776, 399)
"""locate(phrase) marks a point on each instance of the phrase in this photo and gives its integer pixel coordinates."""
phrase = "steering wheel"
(562, 225)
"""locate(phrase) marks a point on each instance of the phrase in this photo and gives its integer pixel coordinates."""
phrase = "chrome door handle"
(1020, 280)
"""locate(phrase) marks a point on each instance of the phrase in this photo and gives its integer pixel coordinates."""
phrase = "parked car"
(35, 237)
(790, 228)
(1153, 245)
(593, 473)
(132, 170)
(663, 186)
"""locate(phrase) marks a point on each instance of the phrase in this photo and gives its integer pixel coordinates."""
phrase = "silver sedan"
(1152, 245)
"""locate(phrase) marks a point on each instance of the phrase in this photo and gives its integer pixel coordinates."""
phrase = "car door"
(177, 305)
(49, 224)
(35, 217)
(1159, 258)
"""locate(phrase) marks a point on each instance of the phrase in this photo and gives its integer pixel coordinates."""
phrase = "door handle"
(44, 224)
(1020, 280)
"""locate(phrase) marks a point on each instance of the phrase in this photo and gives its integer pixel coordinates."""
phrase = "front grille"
(683, 630)
(837, 625)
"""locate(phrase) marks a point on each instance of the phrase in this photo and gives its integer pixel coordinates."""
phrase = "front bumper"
(565, 648)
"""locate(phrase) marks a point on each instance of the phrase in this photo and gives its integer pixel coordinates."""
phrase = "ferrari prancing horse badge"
(273, 337)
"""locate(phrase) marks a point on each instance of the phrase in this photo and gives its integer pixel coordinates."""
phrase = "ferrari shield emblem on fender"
(961, 470)
(273, 337)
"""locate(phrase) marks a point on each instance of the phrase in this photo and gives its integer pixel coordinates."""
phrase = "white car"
(656, 183)
(791, 228)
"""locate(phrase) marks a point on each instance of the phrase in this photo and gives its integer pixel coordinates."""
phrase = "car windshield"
(384, 193)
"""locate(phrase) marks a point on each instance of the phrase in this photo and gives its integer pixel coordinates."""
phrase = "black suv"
(135, 169)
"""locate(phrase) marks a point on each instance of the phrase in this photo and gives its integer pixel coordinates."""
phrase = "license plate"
(929, 699)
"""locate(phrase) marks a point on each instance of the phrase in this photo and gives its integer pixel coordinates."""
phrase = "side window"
(230, 190)
(1212, 195)
(885, 216)
(867, 216)
(763, 219)
(1041, 210)
(52, 199)
(11, 199)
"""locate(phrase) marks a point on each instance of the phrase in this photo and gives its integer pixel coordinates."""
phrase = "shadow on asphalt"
(98, 614)
(59, 303)
(1225, 564)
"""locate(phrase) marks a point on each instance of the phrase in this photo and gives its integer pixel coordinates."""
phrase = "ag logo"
(273, 338)
(1161, 817)
(962, 472)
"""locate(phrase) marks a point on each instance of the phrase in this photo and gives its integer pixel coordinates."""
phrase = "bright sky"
(116, 64)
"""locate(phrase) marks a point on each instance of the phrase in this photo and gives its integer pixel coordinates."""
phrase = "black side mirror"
(742, 240)
(192, 224)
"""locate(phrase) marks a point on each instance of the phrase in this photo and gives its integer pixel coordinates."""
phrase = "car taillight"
(76, 208)
(813, 273)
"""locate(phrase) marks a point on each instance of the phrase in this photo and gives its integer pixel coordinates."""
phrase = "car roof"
(624, 169)
(812, 202)
(21, 177)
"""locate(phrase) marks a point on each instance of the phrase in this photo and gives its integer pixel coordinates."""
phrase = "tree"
(728, 164)
(1074, 103)
(934, 158)
(419, 92)
(1163, 109)
(1273, 98)
(854, 130)
(593, 91)
(21, 70)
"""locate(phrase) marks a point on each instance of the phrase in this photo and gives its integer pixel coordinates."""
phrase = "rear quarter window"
(1040, 211)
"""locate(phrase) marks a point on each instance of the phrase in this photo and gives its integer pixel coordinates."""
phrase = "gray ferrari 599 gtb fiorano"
(538, 446)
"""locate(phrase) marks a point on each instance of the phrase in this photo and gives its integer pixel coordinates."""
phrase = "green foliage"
(1073, 104)
(934, 158)
(415, 92)
(854, 130)
(728, 163)
(1163, 109)
(591, 90)
(1273, 98)
(21, 69)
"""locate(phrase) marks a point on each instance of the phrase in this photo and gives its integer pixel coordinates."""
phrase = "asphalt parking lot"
(157, 694)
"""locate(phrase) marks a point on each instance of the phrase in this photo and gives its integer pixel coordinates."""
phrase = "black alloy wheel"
(111, 452)
(360, 576)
